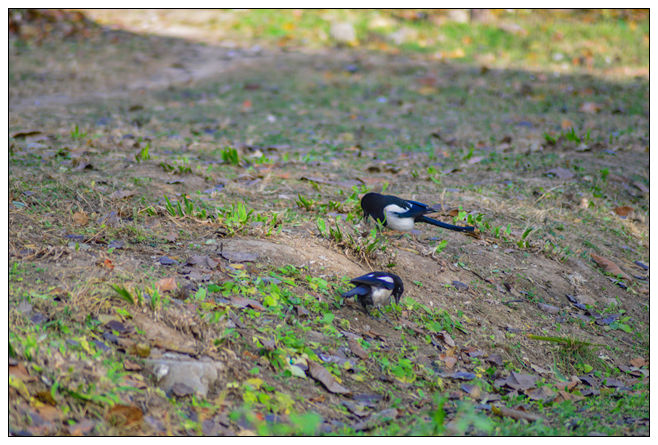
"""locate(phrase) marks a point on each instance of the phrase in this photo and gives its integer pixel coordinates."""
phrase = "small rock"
(197, 374)
(343, 32)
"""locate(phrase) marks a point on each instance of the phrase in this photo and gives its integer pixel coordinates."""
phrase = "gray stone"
(343, 32)
(173, 370)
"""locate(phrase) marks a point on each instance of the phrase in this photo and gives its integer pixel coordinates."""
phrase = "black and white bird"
(401, 214)
(376, 289)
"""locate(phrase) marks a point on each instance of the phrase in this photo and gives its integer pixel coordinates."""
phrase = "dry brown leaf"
(590, 107)
(21, 372)
(623, 211)
(503, 411)
(323, 376)
(563, 395)
(49, 413)
(107, 263)
(166, 284)
(449, 361)
(83, 427)
(356, 348)
(25, 134)
(446, 338)
(560, 172)
(124, 415)
(121, 194)
(543, 393)
(608, 266)
(638, 362)
(80, 218)
(129, 365)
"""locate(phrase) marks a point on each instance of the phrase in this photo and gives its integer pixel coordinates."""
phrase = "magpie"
(401, 214)
(375, 289)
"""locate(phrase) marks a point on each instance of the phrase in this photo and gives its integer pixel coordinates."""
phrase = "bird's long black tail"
(435, 222)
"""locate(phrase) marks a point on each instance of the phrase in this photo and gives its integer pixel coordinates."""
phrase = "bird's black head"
(398, 290)
(373, 205)
(370, 202)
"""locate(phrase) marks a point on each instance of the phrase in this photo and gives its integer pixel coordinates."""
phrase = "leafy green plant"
(523, 242)
(143, 154)
(305, 203)
(230, 156)
(123, 293)
(77, 134)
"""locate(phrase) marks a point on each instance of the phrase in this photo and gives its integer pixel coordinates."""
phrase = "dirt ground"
(87, 209)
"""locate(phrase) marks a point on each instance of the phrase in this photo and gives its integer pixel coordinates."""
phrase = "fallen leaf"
(166, 284)
(446, 338)
(638, 362)
(121, 194)
(80, 218)
(19, 386)
(461, 375)
(203, 261)
(129, 365)
(449, 361)
(166, 261)
(521, 382)
(563, 395)
(355, 408)
(608, 266)
(357, 349)
(590, 107)
(49, 413)
(377, 419)
(560, 172)
(124, 415)
(459, 285)
(543, 393)
(107, 263)
(623, 211)
(472, 390)
(21, 372)
(640, 186)
(244, 302)
(45, 397)
(319, 373)
(25, 134)
(566, 124)
(82, 428)
(503, 411)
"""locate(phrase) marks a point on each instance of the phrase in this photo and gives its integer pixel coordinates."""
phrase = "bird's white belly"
(395, 222)
(380, 296)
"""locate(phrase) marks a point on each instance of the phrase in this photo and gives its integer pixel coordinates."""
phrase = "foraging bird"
(375, 289)
(401, 214)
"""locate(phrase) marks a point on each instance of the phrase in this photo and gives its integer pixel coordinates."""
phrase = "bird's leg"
(385, 317)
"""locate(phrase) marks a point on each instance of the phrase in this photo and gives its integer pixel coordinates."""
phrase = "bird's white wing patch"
(394, 221)
(394, 208)
(387, 279)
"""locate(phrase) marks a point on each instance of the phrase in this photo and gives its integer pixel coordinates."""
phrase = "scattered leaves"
(319, 373)
(608, 266)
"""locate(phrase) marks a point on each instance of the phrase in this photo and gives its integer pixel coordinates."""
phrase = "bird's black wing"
(359, 291)
(414, 209)
(372, 279)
